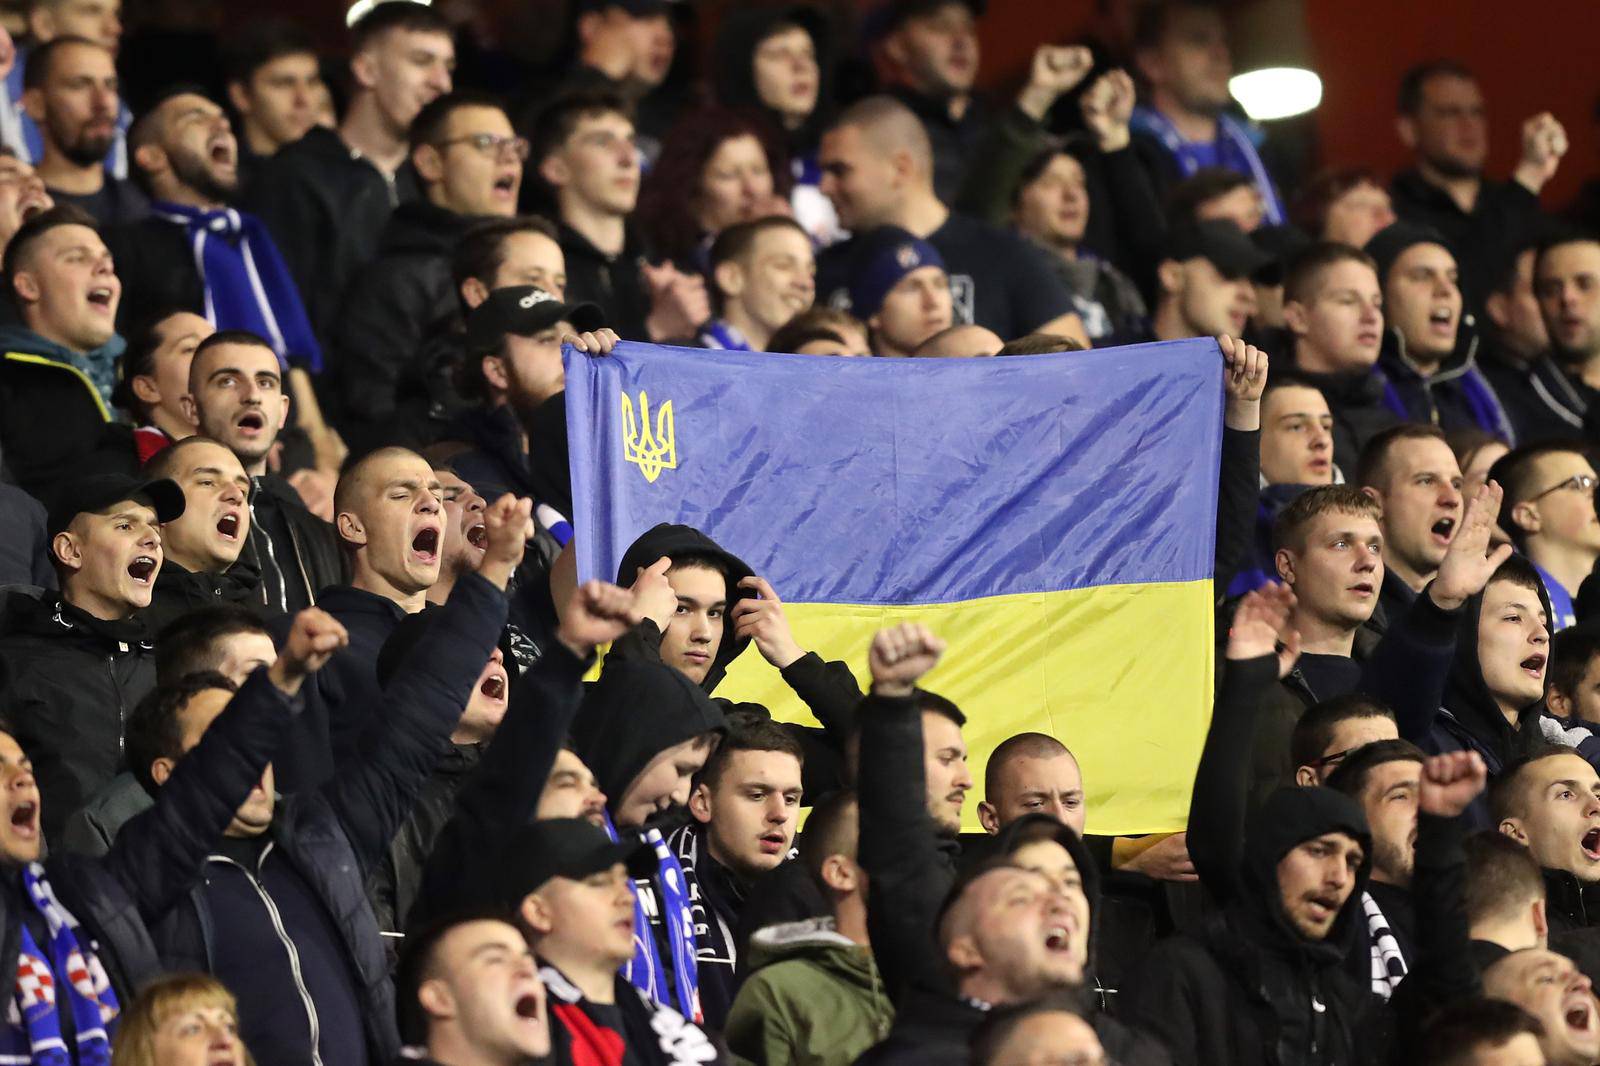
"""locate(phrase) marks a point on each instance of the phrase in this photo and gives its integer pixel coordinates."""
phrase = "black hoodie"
(741, 33)
(633, 713)
(1248, 988)
(827, 688)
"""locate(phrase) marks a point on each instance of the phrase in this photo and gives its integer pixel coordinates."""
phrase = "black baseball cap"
(566, 847)
(525, 310)
(1221, 242)
(100, 491)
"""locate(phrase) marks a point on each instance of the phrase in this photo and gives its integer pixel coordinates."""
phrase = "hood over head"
(682, 542)
(1289, 818)
(1467, 696)
(636, 711)
(734, 83)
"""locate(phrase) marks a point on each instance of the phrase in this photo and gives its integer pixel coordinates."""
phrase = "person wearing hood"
(703, 607)
(1429, 344)
(469, 161)
(201, 565)
(58, 368)
(570, 886)
(74, 664)
(1333, 313)
(814, 996)
(1264, 979)
(646, 767)
(789, 78)
(195, 251)
(1412, 472)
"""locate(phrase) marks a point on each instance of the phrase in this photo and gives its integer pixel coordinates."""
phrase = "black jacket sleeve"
(1138, 221)
(1409, 667)
(1238, 496)
(424, 701)
(829, 689)
(1222, 782)
(503, 792)
(899, 848)
(1443, 970)
(159, 853)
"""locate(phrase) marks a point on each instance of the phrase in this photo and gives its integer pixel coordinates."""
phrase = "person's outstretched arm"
(503, 793)
(426, 697)
(1239, 474)
(159, 853)
(1261, 650)
(899, 847)
(1410, 666)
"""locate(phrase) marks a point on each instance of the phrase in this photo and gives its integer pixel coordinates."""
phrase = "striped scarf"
(1388, 965)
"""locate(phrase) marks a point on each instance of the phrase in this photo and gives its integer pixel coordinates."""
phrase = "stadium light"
(361, 8)
(1272, 53)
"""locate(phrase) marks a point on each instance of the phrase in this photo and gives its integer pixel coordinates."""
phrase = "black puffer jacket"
(1248, 989)
(68, 682)
(377, 335)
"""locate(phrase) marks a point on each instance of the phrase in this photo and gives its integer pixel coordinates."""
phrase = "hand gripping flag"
(1051, 517)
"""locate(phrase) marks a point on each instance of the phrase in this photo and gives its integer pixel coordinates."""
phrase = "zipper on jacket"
(305, 575)
(288, 946)
(272, 557)
(122, 717)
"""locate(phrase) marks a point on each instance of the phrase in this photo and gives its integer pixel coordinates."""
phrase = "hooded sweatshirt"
(1248, 988)
(827, 688)
(1455, 396)
(742, 32)
(814, 998)
(633, 713)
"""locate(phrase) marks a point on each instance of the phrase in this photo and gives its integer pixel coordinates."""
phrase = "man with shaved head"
(877, 168)
(390, 518)
(1032, 773)
(195, 251)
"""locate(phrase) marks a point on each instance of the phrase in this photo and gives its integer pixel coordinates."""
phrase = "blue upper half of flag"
(905, 481)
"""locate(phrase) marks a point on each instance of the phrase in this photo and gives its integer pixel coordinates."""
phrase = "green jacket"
(813, 998)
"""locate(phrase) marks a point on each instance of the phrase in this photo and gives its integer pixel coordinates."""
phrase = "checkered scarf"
(32, 1035)
(1388, 964)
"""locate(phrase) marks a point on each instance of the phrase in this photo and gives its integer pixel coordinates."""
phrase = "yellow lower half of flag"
(1121, 674)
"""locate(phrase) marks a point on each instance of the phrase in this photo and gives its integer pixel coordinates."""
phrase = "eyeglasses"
(489, 144)
(1326, 761)
(1577, 483)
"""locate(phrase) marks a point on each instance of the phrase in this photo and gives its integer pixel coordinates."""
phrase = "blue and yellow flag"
(1051, 517)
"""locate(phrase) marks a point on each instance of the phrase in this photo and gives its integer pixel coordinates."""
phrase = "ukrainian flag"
(1051, 517)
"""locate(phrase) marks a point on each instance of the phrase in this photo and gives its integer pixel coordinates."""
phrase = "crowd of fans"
(293, 652)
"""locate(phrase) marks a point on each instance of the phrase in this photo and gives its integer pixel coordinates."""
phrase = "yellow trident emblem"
(650, 452)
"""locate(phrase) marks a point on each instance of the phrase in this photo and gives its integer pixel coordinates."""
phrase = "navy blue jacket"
(336, 835)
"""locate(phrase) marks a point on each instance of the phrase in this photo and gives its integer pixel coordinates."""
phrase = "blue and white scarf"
(247, 284)
(32, 1035)
(723, 336)
(1235, 150)
(671, 893)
